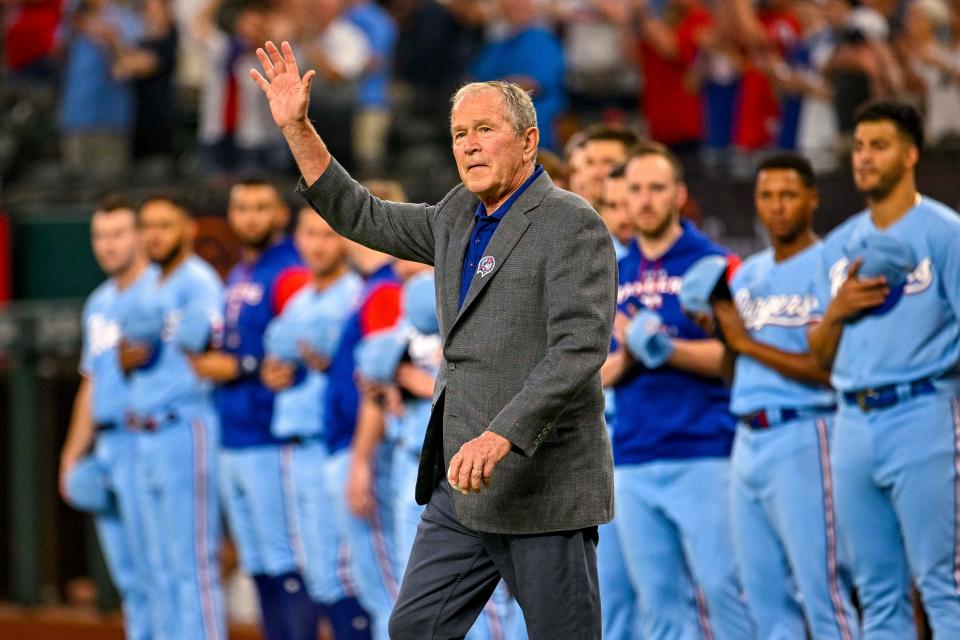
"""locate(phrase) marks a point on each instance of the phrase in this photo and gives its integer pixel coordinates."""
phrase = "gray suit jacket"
(523, 354)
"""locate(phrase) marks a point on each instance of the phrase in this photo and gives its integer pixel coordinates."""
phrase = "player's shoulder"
(199, 271)
(938, 217)
(700, 244)
(100, 296)
(838, 237)
(753, 266)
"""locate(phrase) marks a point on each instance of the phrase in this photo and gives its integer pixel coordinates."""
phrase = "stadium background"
(49, 556)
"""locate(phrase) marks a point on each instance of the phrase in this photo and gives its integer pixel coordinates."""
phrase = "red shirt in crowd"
(758, 110)
(30, 29)
(673, 112)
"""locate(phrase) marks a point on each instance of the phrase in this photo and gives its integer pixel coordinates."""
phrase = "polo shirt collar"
(481, 211)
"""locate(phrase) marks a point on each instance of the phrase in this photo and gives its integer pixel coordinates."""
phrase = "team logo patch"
(486, 265)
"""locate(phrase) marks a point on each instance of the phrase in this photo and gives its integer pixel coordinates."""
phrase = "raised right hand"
(287, 93)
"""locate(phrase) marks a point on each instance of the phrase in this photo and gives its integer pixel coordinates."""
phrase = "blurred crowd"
(157, 81)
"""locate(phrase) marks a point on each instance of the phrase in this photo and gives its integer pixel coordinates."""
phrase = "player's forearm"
(308, 150)
(824, 338)
(613, 369)
(701, 357)
(369, 432)
(803, 367)
(81, 432)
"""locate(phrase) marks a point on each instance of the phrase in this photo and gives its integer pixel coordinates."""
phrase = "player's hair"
(619, 171)
(574, 142)
(114, 202)
(610, 133)
(903, 115)
(791, 161)
(519, 105)
(648, 148)
(386, 190)
(169, 198)
(256, 181)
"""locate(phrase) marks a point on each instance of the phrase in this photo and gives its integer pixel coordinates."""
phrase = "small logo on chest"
(487, 263)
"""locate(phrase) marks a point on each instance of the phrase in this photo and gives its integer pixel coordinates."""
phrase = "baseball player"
(784, 525)
(673, 431)
(299, 343)
(251, 467)
(171, 409)
(98, 419)
(359, 464)
(890, 290)
(620, 619)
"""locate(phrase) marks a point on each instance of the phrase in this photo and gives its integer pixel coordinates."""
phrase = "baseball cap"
(88, 487)
(883, 255)
(193, 330)
(280, 340)
(646, 341)
(420, 303)
(703, 282)
(379, 355)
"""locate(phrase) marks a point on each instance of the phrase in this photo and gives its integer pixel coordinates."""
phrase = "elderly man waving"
(526, 289)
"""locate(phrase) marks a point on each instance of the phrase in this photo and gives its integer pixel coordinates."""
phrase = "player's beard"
(662, 227)
(259, 243)
(170, 256)
(886, 183)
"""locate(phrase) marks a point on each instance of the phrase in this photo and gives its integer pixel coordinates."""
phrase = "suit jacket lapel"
(508, 233)
(455, 264)
(505, 238)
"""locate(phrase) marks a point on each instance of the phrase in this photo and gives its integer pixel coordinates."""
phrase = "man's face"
(785, 205)
(615, 210)
(255, 214)
(489, 153)
(600, 157)
(113, 235)
(578, 176)
(321, 248)
(165, 230)
(881, 158)
(653, 194)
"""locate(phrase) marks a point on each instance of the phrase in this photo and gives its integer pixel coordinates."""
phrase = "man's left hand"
(471, 468)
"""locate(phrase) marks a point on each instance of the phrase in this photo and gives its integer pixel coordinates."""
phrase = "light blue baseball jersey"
(298, 410)
(101, 339)
(920, 336)
(171, 381)
(778, 302)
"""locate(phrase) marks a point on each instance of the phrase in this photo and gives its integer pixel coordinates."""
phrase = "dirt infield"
(48, 623)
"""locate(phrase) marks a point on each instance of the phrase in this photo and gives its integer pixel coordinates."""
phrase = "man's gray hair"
(519, 105)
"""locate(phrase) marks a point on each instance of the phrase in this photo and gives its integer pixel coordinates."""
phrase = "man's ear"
(531, 140)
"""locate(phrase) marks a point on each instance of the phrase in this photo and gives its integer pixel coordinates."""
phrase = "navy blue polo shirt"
(483, 230)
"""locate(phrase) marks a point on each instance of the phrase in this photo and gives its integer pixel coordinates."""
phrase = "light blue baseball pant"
(177, 486)
(322, 558)
(897, 489)
(674, 524)
(254, 489)
(785, 534)
(618, 600)
(369, 541)
(500, 618)
(121, 533)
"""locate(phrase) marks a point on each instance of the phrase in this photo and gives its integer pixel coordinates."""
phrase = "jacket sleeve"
(580, 297)
(399, 229)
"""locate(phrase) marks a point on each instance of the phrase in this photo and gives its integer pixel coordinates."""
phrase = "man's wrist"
(297, 129)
